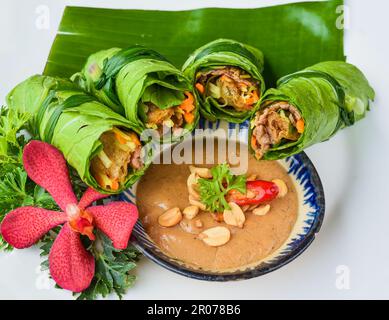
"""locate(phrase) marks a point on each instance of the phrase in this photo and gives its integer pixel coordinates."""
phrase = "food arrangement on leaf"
(101, 145)
(143, 86)
(308, 107)
(227, 77)
(71, 146)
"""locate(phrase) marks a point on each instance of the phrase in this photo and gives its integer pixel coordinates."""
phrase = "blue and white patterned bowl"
(310, 216)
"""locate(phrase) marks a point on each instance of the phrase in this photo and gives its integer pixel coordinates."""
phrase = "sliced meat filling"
(230, 86)
(120, 155)
(175, 117)
(277, 122)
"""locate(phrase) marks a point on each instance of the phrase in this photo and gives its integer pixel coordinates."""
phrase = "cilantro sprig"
(213, 191)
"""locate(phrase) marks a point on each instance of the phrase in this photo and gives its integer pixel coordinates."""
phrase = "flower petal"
(89, 197)
(24, 226)
(71, 266)
(46, 166)
(116, 220)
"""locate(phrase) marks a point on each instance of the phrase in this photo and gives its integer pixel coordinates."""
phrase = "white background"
(353, 166)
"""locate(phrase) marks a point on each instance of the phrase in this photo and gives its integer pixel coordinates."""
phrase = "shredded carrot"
(253, 142)
(300, 126)
(134, 138)
(255, 96)
(100, 181)
(188, 104)
(225, 78)
(120, 138)
(200, 87)
(189, 117)
(115, 185)
(253, 99)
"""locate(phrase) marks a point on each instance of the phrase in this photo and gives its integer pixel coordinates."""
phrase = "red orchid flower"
(71, 265)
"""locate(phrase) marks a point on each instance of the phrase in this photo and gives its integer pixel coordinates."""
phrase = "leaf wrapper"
(329, 96)
(225, 52)
(124, 79)
(71, 120)
(311, 29)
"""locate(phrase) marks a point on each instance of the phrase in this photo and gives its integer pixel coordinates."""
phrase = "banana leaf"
(209, 59)
(72, 121)
(328, 96)
(291, 36)
(138, 82)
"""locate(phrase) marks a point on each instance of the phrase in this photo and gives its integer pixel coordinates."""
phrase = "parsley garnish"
(113, 269)
(16, 190)
(213, 191)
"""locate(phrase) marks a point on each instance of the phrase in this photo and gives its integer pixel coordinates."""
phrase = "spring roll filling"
(174, 118)
(275, 123)
(120, 155)
(231, 87)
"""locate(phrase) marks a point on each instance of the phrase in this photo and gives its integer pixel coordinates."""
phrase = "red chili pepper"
(260, 190)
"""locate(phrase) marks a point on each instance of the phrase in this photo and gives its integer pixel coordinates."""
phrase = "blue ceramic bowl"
(310, 216)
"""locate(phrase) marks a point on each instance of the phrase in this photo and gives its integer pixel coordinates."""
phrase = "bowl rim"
(255, 271)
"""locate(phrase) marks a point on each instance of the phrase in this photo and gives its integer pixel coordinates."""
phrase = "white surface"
(353, 168)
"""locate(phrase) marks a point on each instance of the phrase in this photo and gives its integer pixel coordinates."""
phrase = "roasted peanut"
(252, 207)
(251, 177)
(198, 223)
(201, 172)
(190, 212)
(216, 236)
(170, 217)
(234, 216)
(196, 203)
(262, 210)
(282, 188)
(192, 184)
(246, 208)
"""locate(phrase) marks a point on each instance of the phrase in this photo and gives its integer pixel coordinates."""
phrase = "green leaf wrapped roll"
(308, 107)
(227, 77)
(100, 144)
(143, 86)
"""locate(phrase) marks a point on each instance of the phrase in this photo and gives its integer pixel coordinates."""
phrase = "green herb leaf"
(213, 191)
(162, 97)
(15, 188)
(11, 139)
(113, 268)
